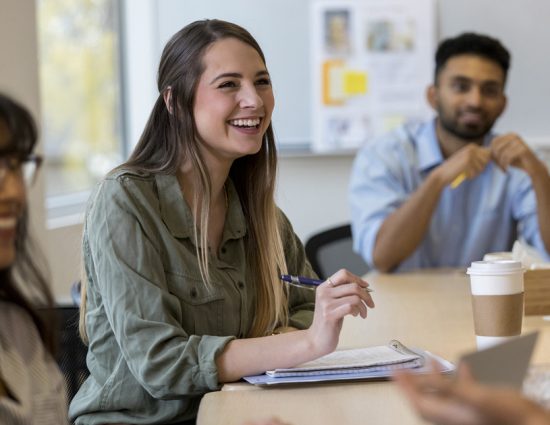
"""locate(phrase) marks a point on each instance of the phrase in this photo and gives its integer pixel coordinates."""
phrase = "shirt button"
(223, 250)
(193, 292)
(241, 285)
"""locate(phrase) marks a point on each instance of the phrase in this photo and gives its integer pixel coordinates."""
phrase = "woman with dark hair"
(184, 245)
(31, 386)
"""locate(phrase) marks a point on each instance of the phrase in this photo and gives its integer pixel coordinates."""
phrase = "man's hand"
(470, 160)
(510, 150)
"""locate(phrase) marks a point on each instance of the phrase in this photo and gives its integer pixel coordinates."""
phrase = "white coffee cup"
(497, 300)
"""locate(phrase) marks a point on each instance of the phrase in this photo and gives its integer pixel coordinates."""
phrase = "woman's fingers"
(352, 289)
(344, 283)
(344, 276)
(336, 307)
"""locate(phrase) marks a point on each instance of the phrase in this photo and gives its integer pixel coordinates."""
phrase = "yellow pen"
(458, 180)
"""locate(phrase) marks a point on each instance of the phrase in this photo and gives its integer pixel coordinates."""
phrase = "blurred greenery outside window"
(81, 91)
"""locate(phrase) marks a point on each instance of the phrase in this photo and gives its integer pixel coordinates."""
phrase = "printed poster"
(372, 62)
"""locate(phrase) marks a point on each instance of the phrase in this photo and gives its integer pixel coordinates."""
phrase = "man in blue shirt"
(446, 192)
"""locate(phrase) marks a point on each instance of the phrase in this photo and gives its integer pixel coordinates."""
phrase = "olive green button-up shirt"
(155, 329)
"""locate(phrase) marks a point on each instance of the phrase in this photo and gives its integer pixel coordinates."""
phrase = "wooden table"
(428, 309)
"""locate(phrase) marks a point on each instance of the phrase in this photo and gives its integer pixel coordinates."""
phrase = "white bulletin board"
(371, 63)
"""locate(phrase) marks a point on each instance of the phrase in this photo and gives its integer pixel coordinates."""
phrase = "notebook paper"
(379, 358)
(367, 374)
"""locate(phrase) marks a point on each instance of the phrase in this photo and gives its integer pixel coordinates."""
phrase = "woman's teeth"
(245, 123)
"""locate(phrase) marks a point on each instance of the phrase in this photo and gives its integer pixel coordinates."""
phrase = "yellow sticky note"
(355, 82)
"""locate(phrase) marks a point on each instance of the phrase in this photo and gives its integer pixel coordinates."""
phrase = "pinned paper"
(332, 70)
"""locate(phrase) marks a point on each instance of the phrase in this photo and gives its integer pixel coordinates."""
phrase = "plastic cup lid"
(495, 267)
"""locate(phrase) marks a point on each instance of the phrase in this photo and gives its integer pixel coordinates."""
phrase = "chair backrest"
(71, 352)
(330, 250)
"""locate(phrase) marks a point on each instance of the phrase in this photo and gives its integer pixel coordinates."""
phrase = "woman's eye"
(264, 82)
(227, 84)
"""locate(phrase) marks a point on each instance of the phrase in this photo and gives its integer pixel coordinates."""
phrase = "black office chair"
(330, 250)
(72, 351)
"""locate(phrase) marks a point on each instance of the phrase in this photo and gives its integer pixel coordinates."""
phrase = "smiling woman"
(183, 246)
(233, 110)
(31, 386)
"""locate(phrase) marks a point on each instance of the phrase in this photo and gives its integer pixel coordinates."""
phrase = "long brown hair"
(170, 138)
(28, 269)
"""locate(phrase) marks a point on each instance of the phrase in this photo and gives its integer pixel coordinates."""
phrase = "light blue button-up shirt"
(484, 214)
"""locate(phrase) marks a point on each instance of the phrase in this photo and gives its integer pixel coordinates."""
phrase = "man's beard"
(466, 132)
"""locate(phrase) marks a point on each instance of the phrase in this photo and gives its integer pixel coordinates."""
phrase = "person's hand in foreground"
(463, 401)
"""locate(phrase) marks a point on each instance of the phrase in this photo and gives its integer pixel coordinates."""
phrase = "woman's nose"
(12, 185)
(249, 97)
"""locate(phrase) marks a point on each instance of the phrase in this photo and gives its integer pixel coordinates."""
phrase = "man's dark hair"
(470, 43)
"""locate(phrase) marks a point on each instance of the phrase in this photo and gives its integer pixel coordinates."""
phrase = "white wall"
(522, 26)
(312, 191)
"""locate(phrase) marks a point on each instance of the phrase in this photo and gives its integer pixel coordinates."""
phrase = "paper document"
(370, 363)
(381, 358)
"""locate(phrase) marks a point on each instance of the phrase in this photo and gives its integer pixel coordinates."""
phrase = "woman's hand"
(342, 294)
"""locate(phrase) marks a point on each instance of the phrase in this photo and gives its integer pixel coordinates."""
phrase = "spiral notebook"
(377, 362)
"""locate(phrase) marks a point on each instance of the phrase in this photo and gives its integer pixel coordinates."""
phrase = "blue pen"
(306, 281)
(301, 280)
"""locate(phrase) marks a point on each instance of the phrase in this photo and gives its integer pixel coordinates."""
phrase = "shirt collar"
(429, 151)
(177, 216)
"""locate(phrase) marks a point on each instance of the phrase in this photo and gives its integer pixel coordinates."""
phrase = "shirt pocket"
(201, 306)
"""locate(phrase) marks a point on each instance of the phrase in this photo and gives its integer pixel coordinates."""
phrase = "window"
(82, 120)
